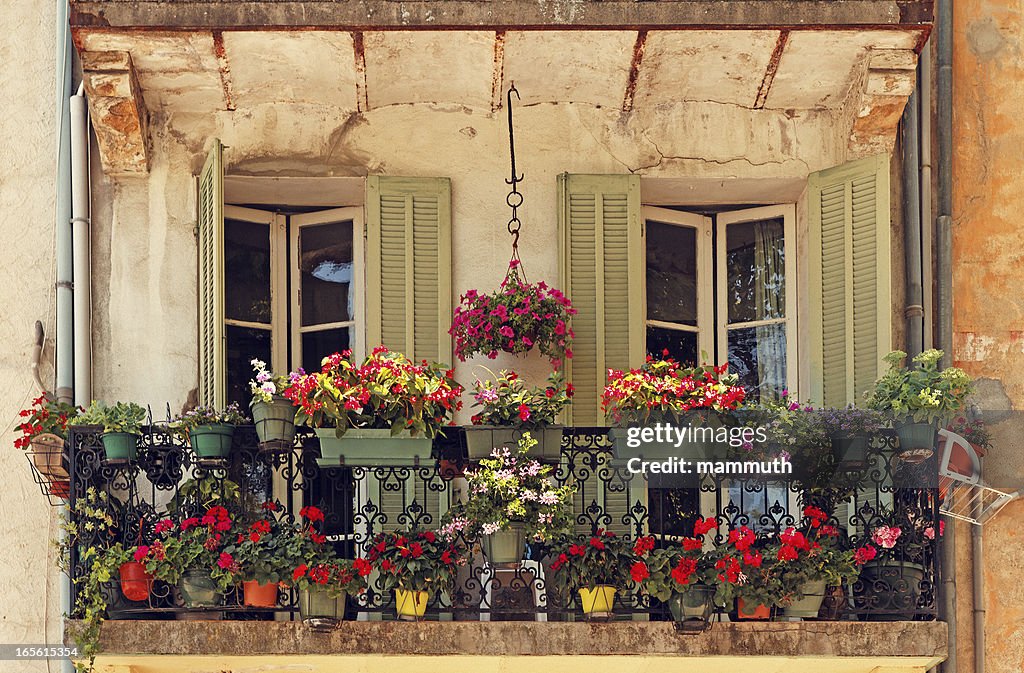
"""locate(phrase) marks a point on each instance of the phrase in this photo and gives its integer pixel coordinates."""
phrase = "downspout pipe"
(914, 300)
(64, 345)
(978, 584)
(64, 350)
(944, 284)
(80, 226)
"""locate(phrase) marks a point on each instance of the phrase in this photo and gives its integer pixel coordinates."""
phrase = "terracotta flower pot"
(136, 583)
(259, 595)
(758, 612)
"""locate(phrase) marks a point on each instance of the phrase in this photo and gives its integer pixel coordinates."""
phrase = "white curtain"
(770, 298)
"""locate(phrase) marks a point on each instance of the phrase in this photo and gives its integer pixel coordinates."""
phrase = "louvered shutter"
(408, 266)
(210, 228)
(600, 234)
(850, 292)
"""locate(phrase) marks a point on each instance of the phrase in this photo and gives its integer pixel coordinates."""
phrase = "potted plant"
(416, 565)
(677, 573)
(593, 568)
(512, 499)
(208, 430)
(121, 424)
(918, 398)
(850, 431)
(662, 391)
(892, 557)
(272, 412)
(43, 429)
(191, 555)
(809, 561)
(740, 574)
(384, 411)
(259, 551)
(508, 407)
(516, 318)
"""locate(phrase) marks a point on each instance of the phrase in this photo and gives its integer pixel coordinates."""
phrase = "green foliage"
(121, 417)
(386, 391)
(922, 393)
(512, 488)
(416, 560)
(586, 562)
(665, 391)
(508, 401)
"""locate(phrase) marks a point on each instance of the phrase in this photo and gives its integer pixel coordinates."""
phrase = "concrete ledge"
(921, 641)
(483, 14)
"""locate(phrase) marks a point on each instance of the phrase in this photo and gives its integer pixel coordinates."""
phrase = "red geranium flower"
(639, 571)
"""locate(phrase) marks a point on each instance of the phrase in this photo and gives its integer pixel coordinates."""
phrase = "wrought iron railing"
(360, 502)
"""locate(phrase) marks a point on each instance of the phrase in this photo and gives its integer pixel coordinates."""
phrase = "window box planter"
(506, 545)
(850, 451)
(371, 447)
(482, 439)
(275, 422)
(688, 449)
(212, 441)
(120, 446)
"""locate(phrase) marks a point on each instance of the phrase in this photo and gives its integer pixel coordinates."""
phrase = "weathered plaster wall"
(988, 319)
(144, 250)
(29, 598)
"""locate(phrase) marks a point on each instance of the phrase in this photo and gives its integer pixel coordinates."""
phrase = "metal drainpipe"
(978, 585)
(944, 284)
(80, 211)
(924, 92)
(914, 309)
(64, 346)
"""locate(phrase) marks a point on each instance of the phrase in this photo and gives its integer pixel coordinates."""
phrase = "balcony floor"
(793, 647)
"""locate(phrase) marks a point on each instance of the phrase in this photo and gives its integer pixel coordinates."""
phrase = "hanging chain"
(514, 198)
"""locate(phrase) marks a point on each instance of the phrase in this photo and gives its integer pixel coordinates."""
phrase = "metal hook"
(511, 137)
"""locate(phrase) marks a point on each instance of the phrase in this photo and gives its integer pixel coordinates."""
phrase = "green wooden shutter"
(408, 266)
(210, 228)
(850, 291)
(601, 272)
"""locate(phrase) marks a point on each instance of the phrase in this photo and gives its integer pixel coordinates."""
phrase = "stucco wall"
(144, 250)
(988, 260)
(29, 594)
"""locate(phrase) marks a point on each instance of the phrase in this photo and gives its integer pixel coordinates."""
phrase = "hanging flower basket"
(516, 318)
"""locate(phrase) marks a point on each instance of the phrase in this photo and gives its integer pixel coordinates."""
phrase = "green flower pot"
(212, 441)
(916, 440)
(361, 447)
(693, 603)
(506, 545)
(119, 445)
(319, 611)
(198, 590)
(274, 420)
(892, 588)
(808, 606)
(481, 440)
(850, 451)
(689, 448)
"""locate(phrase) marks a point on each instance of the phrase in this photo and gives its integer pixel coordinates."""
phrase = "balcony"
(361, 501)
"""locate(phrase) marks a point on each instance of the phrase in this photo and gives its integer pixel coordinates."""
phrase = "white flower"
(269, 388)
(258, 364)
(490, 528)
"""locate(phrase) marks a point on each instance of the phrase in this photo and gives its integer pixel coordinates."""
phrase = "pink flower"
(141, 552)
(886, 536)
(225, 561)
(506, 331)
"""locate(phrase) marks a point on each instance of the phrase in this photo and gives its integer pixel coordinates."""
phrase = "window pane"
(763, 506)
(681, 346)
(244, 344)
(318, 345)
(758, 356)
(671, 273)
(756, 264)
(246, 271)
(325, 259)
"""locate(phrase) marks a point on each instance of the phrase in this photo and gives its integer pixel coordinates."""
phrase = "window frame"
(277, 232)
(357, 324)
(722, 221)
(705, 277)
